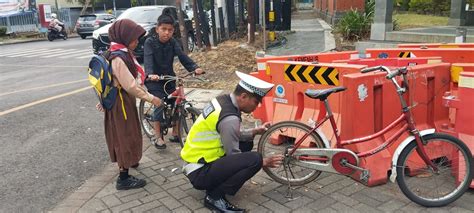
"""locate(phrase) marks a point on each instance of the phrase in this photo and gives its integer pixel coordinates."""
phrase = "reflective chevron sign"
(406, 55)
(312, 74)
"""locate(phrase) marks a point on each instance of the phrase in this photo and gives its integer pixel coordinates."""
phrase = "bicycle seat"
(322, 94)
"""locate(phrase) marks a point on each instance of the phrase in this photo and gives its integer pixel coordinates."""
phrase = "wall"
(332, 10)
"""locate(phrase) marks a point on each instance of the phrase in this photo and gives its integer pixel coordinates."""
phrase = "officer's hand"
(99, 107)
(273, 161)
(198, 71)
(157, 102)
(262, 129)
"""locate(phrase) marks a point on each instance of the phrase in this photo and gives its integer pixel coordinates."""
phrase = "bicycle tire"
(414, 178)
(265, 141)
(185, 121)
(144, 110)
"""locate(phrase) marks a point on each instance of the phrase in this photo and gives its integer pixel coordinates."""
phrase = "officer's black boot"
(231, 206)
(220, 205)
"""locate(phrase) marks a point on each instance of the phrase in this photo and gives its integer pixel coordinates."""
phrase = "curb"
(31, 40)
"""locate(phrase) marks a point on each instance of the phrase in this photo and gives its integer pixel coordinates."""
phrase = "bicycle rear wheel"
(277, 140)
(145, 111)
(186, 119)
(426, 187)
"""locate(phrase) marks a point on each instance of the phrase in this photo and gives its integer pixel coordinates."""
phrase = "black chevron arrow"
(300, 74)
(312, 74)
(288, 72)
(326, 76)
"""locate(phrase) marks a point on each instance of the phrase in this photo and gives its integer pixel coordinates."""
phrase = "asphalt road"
(51, 135)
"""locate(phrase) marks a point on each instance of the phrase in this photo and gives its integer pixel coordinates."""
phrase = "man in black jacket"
(160, 49)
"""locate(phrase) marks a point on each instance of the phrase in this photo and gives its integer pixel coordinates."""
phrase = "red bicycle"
(433, 169)
(180, 113)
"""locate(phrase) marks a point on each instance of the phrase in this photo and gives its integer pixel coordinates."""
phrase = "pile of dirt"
(220, 64)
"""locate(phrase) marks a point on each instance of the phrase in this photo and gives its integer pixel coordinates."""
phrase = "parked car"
(86, 24)
(145, 16)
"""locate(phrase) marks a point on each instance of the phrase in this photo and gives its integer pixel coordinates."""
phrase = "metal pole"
(251, 21)
(264, 23)
(115, 9)
(271, 19)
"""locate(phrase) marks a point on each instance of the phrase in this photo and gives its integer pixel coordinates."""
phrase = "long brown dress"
(124, 138)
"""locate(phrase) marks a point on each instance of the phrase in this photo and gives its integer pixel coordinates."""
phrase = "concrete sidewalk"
(168, 190)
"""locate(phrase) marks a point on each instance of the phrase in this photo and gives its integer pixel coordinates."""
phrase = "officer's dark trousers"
(226, 175)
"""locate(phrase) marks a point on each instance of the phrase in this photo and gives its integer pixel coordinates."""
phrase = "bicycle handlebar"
(390, 74)
(171, 77)
(399, 71)
(371, 69)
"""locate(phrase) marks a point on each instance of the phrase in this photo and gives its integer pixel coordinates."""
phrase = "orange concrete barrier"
(463, 105)
(316, 57)
(437, 45)
(371, 103)
(396, 62)
(450, 55)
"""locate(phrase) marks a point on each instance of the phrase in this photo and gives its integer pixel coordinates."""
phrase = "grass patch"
(406, 21)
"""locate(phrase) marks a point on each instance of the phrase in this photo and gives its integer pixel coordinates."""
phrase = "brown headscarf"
(125, 31)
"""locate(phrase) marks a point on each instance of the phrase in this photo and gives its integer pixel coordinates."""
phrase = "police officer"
(217, 153)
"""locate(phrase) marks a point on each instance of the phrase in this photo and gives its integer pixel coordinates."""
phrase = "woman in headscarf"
(122, 125)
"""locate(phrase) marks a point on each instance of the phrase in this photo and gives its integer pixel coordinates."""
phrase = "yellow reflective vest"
(203, 144)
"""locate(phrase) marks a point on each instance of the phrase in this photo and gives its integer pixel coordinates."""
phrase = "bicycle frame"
(405, 118)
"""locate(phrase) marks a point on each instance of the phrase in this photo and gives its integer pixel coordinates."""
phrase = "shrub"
(3, 31)
(432, 7)
(354, 25)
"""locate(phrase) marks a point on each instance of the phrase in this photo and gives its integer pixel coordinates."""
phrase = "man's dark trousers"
(227, 174)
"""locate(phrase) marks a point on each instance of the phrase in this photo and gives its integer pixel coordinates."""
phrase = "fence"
(20, 22)
(29, 22)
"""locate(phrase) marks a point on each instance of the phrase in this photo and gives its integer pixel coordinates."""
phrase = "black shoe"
(154, 141)
(220, 205)
(231, 206)
(130, 183)
(174, 139)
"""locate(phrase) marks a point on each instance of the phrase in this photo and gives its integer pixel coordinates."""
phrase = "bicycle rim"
(426, 187)
(146, 110)
(280, 137)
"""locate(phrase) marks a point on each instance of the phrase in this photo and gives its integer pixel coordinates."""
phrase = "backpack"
(101, 79)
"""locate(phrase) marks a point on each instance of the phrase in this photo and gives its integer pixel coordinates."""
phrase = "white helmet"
(53, 15)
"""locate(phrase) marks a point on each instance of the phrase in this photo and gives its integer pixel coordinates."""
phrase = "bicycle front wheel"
(145, 111)
(277, 140)
(426, 187)
(186, 119)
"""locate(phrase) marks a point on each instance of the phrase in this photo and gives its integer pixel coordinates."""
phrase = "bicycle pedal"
(364, 176)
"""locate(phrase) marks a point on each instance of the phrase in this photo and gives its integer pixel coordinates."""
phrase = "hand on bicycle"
(198, 71)
(99, 107)
(157, 101)
(262, 128)
(154, 77)
(273, 161)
